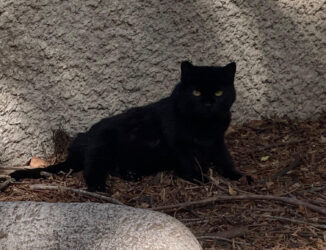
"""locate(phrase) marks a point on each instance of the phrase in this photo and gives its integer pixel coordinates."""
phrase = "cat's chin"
(210, 116)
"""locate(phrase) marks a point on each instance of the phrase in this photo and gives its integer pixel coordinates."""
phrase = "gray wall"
(69, 63)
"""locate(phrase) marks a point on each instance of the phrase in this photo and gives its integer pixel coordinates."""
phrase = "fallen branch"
(215, 237)
(315, 189)
(195, 222)
(296, 163)
(311, 235)
(320, 226)
(287, 200)
(78, 191)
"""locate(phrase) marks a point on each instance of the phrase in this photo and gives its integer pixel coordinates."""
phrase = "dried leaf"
(232, 191)
(265, 158)
(323, 139)
(116, 195)
(296, 185)
(302, 209)
(37, 162)
(230, 130)
(243, 180)
(144, 205)
(256, 123)
(305, 169)
(269, 184)
(163, 194)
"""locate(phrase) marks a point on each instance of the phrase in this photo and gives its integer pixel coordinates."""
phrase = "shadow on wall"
(61, 61)
(294, 58)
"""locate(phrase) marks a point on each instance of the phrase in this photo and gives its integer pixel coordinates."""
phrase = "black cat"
(183, 132)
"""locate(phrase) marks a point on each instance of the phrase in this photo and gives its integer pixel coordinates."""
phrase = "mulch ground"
(262, 149)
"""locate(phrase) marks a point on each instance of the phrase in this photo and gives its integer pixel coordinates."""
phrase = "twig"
(5, 184)
(309, 234)
(221, 180)
(46, 174)
(296, 163)
(200, 168)
(69, 173)
(318, 194)
(320, 226)
(321, 188)
(280, 144)
(225, 182)
(287, 200)
(317, 220)
(217, 184)
(262, 129)
(78, 191)
(233, 232)
(215, 237)
(195, 222)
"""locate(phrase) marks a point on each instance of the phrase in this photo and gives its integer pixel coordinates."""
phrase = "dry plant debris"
(287, 158)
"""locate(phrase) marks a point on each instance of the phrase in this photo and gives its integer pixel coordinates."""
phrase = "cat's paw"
(249, 179)
(200, 179)
(232, 174)
(98, 188)
(131, 176)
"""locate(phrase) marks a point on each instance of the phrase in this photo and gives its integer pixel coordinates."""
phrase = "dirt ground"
(263, 149)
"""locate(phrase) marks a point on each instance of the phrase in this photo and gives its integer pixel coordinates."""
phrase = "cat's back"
(145, 118)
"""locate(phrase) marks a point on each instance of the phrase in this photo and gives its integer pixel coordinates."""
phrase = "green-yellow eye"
(196, 93)
(219, 93)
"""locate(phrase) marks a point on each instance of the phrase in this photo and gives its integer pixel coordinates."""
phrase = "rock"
(37, 225)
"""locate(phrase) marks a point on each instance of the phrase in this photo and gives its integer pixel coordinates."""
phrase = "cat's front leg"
(96, 164)
(223, 163)
(189, 167)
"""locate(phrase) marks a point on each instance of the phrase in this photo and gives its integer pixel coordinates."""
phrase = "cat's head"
(206, 91)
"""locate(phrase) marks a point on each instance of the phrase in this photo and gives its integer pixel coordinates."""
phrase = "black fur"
(183, 132)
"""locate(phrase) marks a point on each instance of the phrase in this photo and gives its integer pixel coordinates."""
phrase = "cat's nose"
(208, 104)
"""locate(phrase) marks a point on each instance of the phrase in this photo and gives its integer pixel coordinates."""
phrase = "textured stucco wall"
(70, 63)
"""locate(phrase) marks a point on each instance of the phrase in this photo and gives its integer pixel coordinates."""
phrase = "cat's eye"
(219, 93)
(196, 93)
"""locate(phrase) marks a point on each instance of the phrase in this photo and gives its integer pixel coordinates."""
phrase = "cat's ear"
(186, 67)
(230, 69)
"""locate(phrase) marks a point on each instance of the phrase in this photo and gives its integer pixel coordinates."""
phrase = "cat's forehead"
(206, 71)
(206, 77)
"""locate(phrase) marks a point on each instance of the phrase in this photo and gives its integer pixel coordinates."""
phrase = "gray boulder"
(37, 225)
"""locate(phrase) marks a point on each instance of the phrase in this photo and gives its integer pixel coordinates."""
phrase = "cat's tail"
(74, 161)
(36, 172)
